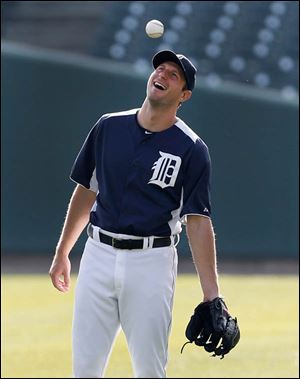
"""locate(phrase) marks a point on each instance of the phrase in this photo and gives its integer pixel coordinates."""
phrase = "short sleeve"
(196, 184)
(84, 168)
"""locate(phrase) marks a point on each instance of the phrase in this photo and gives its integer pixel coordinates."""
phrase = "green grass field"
(36, 330)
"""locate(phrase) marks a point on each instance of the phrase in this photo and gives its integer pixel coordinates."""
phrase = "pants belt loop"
(145, 242)
(94, 233)
(151, 240)
(90, 230)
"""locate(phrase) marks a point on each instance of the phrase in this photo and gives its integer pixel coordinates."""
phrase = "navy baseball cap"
(189, 70)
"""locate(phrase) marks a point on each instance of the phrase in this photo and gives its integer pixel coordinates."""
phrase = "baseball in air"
(154, 29)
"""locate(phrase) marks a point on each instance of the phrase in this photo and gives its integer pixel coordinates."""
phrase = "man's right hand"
(76, 220)
(60, 273)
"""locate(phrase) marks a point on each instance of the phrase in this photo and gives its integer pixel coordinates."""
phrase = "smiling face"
(166, 85)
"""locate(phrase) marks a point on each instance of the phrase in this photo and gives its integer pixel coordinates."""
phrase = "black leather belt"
(128, 244)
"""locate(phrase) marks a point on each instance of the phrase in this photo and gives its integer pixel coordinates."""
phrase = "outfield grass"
(36, 330)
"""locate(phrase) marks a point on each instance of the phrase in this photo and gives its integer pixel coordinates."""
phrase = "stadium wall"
(50, 101)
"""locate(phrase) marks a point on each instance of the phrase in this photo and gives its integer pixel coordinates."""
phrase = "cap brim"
(167, 55)
(164, 56)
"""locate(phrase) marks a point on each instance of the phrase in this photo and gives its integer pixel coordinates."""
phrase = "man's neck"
(156, 119)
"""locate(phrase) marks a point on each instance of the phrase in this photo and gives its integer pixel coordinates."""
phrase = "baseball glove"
(212, 326)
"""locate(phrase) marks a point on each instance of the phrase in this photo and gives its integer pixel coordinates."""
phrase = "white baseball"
(154, 29)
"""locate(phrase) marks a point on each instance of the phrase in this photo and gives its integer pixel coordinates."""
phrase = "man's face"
(166, 83)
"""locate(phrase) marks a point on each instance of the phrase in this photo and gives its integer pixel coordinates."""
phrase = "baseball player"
(140, 175)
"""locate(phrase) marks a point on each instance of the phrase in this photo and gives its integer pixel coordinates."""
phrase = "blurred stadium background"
(64, 63)
(251, 42)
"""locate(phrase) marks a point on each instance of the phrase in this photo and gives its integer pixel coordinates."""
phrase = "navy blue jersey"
(146, 182)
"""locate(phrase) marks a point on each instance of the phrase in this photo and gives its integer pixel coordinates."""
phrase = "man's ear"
(186, 95)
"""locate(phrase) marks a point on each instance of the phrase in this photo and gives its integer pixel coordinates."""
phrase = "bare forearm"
(202, 243)
(77, 218)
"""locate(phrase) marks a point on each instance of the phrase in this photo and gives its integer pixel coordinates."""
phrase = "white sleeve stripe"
(186, 130)
(93, 182)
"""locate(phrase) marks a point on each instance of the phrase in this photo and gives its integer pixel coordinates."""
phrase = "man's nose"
(163, 75)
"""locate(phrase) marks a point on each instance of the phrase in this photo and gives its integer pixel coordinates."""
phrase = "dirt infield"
(38, 264)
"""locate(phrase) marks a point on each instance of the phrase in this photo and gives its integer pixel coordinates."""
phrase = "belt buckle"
(113, 241)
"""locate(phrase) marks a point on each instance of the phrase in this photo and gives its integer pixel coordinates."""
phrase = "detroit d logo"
(166, 169)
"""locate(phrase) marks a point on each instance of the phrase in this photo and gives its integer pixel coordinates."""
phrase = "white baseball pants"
(128, 289)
